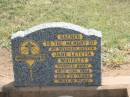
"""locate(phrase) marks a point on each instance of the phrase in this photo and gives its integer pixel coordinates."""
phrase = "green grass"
(112, 17)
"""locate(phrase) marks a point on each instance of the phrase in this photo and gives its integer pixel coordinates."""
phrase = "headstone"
(57, 54)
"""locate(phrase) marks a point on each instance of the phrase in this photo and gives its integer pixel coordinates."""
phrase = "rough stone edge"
(11, 87)
(57, 24)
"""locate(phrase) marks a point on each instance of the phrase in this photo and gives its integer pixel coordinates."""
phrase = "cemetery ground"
(112, 17)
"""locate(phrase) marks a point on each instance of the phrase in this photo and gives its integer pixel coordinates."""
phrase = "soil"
(6, 68)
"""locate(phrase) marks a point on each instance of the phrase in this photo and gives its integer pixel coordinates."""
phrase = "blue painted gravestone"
(57, 54)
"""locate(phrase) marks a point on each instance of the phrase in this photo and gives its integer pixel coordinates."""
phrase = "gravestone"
(57, 54)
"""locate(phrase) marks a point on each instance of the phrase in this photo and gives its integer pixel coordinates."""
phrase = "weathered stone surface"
(57, 54)
(108, 89)
(100, 91)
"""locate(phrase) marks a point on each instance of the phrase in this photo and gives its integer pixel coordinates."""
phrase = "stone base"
(102, 91)
(111, 87)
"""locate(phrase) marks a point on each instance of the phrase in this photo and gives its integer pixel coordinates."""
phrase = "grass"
(112, 17)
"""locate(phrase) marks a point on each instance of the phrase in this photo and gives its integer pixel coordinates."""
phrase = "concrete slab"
(111, 87)
(101, 91)
(117, 80)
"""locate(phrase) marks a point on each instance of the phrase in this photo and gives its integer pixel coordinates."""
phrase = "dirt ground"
(6, 69)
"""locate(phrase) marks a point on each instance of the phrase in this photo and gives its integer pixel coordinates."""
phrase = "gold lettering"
(72, 48)
(61, 70)
(70, 43)
(73, 60)
(73, 76)
(73, 66)
(72, 54)
(73, 80)
(69, 36)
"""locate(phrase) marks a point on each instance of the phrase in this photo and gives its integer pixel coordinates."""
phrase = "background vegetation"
(112, 17)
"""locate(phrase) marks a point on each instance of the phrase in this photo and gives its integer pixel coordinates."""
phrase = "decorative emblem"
(30, 52)
(29, 48)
